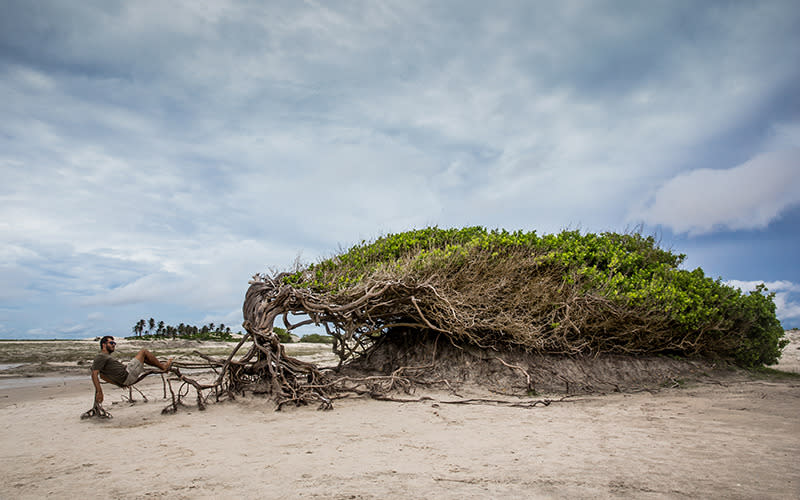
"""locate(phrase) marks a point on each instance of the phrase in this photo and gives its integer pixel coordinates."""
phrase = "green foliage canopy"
(686, 312)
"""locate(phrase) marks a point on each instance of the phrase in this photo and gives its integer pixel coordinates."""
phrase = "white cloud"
(786, 305)
(748, 196)
(210, 276)
(787, 309)
(772, 286)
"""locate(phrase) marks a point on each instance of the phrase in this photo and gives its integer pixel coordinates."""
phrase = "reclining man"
(111, 370)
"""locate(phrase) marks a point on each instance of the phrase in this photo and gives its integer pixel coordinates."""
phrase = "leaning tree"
(567, 294)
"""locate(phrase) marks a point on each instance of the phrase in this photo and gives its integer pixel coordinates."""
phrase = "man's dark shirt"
(110, 367)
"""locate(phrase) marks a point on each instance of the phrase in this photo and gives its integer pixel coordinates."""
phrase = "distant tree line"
(145, 329)
(148, 329)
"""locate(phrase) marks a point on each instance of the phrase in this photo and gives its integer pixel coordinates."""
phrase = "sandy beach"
(738, 438)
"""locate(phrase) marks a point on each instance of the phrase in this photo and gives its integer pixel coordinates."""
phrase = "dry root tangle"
(536, 313)
(491, 295)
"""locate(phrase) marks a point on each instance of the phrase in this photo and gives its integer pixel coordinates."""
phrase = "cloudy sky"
(155, 155)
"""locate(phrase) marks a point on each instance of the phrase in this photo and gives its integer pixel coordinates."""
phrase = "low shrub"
(561, 293)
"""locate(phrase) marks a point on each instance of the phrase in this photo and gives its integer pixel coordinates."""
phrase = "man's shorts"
(135, 368)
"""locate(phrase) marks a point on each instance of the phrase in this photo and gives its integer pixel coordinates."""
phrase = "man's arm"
(98, 391)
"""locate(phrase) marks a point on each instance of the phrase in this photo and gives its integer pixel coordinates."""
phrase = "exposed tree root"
(393, 336)
(483, 401)
(96, 411)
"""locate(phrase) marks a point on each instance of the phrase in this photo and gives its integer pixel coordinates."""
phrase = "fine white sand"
(737, 439)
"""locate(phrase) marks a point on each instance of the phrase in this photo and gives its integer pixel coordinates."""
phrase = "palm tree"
(152, 324)
(140, 327)
(160, 327)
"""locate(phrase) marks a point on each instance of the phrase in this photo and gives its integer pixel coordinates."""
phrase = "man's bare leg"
(147, 357)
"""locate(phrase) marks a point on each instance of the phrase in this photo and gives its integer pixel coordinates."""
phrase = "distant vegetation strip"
(153, 330)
